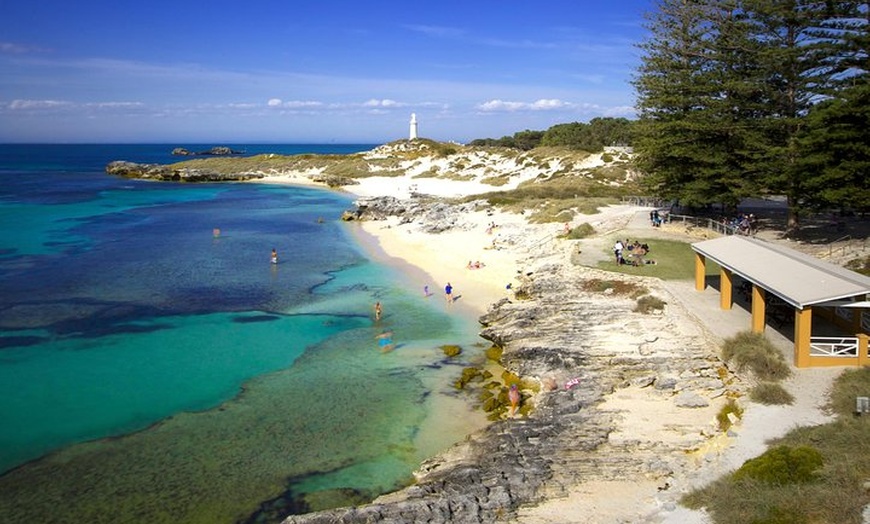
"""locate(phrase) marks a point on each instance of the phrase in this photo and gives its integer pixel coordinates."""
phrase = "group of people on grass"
(631, 253)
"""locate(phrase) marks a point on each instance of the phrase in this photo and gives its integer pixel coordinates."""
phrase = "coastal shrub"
(606, 157)
(494, 353)
(782, 465)
(860, 265)
(615, 287)
(851, 383)
(836, 495)
(730, 408)
(610, 174)
(753, 352)
(771, 394)
(432, 172)
(532, 193)
(496, 181)
(648, 303)
(584, 230)
(451, 350)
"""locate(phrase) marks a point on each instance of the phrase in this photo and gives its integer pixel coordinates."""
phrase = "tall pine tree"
(725, 88)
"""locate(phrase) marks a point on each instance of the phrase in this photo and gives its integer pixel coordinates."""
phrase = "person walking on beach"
(448, 293)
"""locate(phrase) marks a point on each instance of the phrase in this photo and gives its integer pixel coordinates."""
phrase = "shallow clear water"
(152, 371)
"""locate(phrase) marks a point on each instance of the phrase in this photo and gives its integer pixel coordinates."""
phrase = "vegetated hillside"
(551, 172)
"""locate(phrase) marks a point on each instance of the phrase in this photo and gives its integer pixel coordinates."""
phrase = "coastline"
(687, 453)
(643, 417)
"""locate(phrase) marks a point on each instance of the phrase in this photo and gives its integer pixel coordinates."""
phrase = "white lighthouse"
(413, 133)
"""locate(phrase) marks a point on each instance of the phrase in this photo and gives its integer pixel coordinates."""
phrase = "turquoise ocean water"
(152, 371)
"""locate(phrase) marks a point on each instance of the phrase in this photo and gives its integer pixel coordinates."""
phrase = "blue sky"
(303, 72)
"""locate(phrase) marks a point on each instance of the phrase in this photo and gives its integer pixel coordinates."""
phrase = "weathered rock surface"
(431, 215)
(170, 174)
(556, 337)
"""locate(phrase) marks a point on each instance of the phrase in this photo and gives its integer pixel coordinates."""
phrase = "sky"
(275, 71)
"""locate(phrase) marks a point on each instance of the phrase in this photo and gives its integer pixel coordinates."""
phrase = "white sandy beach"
(444, 257)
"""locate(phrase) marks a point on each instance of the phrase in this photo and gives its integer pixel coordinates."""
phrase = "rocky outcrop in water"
(215, 151)
(168, 173)
(555, 336)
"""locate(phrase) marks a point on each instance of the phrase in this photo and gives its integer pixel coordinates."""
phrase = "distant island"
(215, 151)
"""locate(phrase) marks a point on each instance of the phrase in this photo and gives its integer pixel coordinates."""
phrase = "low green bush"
(771, 394)
(648, 303)
(837, 493)
(753, 352)
(782, 465)
(730, 407)
(852, 383)
(584, 230)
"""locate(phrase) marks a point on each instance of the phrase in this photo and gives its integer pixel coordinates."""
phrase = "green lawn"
(674, 260)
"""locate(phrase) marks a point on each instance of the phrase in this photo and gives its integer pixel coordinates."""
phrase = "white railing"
(834, 346)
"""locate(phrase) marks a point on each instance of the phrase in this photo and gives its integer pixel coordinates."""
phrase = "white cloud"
(294, 104)
(385, 103)
(548, 103)
(544, 104)
(24, 105)
(115, 105)
(38, 105)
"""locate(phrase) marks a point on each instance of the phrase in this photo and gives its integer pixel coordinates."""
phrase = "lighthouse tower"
(413, 133)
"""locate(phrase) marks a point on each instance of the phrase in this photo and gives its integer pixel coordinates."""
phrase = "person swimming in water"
(385, 341)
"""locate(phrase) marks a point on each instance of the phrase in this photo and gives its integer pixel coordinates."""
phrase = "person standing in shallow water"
(448, 293)
(514, 397)
(274, 258)
(378, 310)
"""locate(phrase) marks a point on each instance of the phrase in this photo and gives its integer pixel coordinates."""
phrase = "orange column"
(863, 356)
(700, 271)
(803, 328)
(726, 281)
(758, 309)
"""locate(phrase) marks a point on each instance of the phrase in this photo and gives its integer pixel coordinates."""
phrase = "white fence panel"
(834, 346)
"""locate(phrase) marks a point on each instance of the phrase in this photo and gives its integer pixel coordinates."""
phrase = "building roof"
(798, 279)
